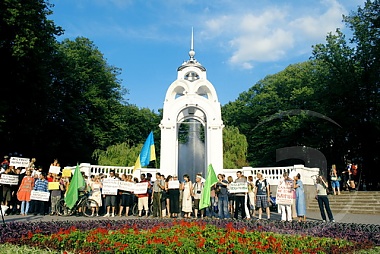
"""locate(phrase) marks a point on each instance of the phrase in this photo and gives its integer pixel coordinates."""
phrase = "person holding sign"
(172, 186)
(143, 197)
(56, 189)
(241, 198)
(6, 195)
(40, 185)
(284, 197)
(126, 196)
(110, 199)
(23, 193)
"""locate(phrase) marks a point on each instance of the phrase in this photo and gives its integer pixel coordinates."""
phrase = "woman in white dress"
(96, 194)
(187, 203)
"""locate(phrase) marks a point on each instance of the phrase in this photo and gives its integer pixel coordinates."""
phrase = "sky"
(239, 42)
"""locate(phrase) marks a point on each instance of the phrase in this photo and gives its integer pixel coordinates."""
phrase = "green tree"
(123, 155)
(27, 49)
(352, 86)
(234, 148)
(87, 101)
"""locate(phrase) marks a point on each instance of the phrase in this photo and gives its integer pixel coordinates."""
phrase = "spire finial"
(192, 52)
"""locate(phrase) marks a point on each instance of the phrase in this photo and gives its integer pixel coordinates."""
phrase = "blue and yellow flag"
(147, 154)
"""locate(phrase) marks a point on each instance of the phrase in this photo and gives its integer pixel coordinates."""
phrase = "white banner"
(238, 187)
(19, 162)
(55, 169)
(173, 184)
(110, 186)
(126, 186)
(39, 195)
(284, 195)
(9, 179)
(141, 188)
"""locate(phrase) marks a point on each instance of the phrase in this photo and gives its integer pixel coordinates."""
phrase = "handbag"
(334, 178)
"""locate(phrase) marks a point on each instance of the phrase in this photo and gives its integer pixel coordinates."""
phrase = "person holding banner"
(125, 196)
(40, 185)
(284, 197)
(241, 198)
(172, 187)
(110, 200)
(143, 197)
(6, 195)
(23, 193)
(56, 190)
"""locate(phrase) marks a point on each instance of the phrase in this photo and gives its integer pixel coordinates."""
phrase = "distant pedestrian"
(323, 200)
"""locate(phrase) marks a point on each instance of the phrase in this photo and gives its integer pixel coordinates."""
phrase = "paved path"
(311, 215)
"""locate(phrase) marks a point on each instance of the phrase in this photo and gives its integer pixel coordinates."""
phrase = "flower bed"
(186, 236)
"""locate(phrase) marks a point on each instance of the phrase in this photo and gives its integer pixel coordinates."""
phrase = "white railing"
(273, 174)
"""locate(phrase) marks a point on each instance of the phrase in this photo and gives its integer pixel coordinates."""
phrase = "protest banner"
(19, 162)
(66, 172)
(110, 186)
(141, 188)
(55, 169)
(284, 195)
(53, 186)
(9, 179)
(126, 186)
(39, 195)
(238, 187)
(173, 184)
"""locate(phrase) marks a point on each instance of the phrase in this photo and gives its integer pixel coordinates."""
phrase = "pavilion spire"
(192, 52)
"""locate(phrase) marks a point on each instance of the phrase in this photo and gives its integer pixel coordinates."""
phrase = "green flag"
(210, 181)
(77, 182)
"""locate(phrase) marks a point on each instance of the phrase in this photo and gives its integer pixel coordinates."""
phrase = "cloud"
(273, 33)
(317, 26)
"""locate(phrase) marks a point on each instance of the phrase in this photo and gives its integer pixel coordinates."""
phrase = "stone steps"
(352, 202)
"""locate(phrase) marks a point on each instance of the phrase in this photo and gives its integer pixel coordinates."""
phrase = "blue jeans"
(323, 202)
(24, 207)
(210, 212)
(223, 207)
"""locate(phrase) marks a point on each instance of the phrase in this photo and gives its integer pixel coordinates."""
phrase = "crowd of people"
(165, 196)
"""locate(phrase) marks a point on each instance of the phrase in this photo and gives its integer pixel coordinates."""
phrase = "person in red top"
(143, 198)
(23, 193)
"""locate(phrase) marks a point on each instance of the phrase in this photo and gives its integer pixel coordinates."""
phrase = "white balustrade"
(273, 174)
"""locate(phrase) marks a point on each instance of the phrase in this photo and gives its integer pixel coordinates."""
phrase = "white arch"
(186, 98)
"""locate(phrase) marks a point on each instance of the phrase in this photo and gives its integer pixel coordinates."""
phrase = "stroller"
(273, 205)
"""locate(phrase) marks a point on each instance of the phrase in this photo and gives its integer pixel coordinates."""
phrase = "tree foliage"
(123, 155)
(234, 148)
(60, 99)
(340, 82)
